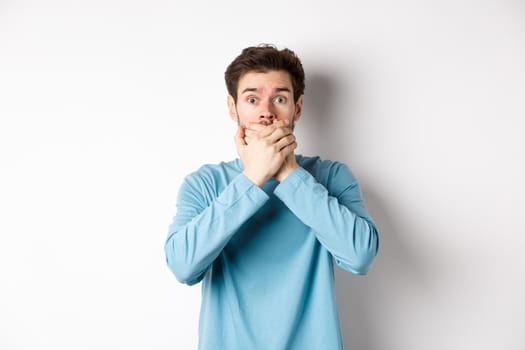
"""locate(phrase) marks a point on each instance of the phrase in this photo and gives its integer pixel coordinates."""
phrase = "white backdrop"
(106, 105)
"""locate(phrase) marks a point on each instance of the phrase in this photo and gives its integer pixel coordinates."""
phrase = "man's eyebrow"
(248, 90)
(279, 89)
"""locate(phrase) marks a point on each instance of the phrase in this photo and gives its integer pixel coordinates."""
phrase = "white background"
(106, 105)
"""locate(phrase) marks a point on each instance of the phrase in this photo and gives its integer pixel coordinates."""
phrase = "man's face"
(264, 98)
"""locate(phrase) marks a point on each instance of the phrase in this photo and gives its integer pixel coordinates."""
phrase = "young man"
(262, 232)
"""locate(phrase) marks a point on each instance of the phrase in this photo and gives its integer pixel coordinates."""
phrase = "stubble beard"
(263, 122)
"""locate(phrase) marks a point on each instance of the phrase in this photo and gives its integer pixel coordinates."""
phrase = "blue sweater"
(265, 256)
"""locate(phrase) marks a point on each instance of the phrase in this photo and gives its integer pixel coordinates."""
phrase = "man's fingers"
(239, 137)
(279, 123)
(272, 134)
(284, 142)
(279, 133)
(241, 131)
(270, 129)
(272, 138)
(255, 127)
(287, 150)
(282, 123)
(250, 133)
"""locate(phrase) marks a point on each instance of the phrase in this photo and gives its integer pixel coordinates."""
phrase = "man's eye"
(252, 100)
(280, 99)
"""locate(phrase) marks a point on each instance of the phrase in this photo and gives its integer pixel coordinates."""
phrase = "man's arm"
(200, 232)
(339, 219)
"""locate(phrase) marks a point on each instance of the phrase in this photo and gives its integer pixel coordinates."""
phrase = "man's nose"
(267, 113)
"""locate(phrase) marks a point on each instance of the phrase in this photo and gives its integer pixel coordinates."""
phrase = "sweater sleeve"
(338, 217)
(203, 225)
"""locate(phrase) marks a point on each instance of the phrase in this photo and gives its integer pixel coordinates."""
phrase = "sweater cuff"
(240, 187)
(292, 182)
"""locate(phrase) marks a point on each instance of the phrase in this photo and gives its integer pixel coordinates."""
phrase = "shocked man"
(262, 232)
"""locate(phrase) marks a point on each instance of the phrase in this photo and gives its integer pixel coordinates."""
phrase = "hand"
(263, 149)
(289, 164)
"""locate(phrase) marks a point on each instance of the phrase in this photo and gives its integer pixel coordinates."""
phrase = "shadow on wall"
(320, 113)
(362, 300)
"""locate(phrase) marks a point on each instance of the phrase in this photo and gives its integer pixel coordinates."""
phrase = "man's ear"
(232, 109)
(298, 108)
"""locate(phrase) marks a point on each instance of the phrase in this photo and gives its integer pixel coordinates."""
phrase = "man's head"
(264, 58)
(265, 84)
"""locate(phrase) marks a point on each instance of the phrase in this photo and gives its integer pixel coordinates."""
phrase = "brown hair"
(263, 58)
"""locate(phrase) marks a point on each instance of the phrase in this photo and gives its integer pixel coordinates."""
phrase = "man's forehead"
(272, 78)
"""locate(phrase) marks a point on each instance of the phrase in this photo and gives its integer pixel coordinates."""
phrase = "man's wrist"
(257, 180)
(282, 175)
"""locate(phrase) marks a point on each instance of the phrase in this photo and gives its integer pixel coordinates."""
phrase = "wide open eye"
(252, 100)
(280, 99)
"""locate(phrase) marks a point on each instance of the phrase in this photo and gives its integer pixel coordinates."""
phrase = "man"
(262, 232)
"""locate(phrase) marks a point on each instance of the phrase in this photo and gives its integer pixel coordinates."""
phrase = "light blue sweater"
(265, 256)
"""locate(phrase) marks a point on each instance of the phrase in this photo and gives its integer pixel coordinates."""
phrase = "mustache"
(262, 122)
